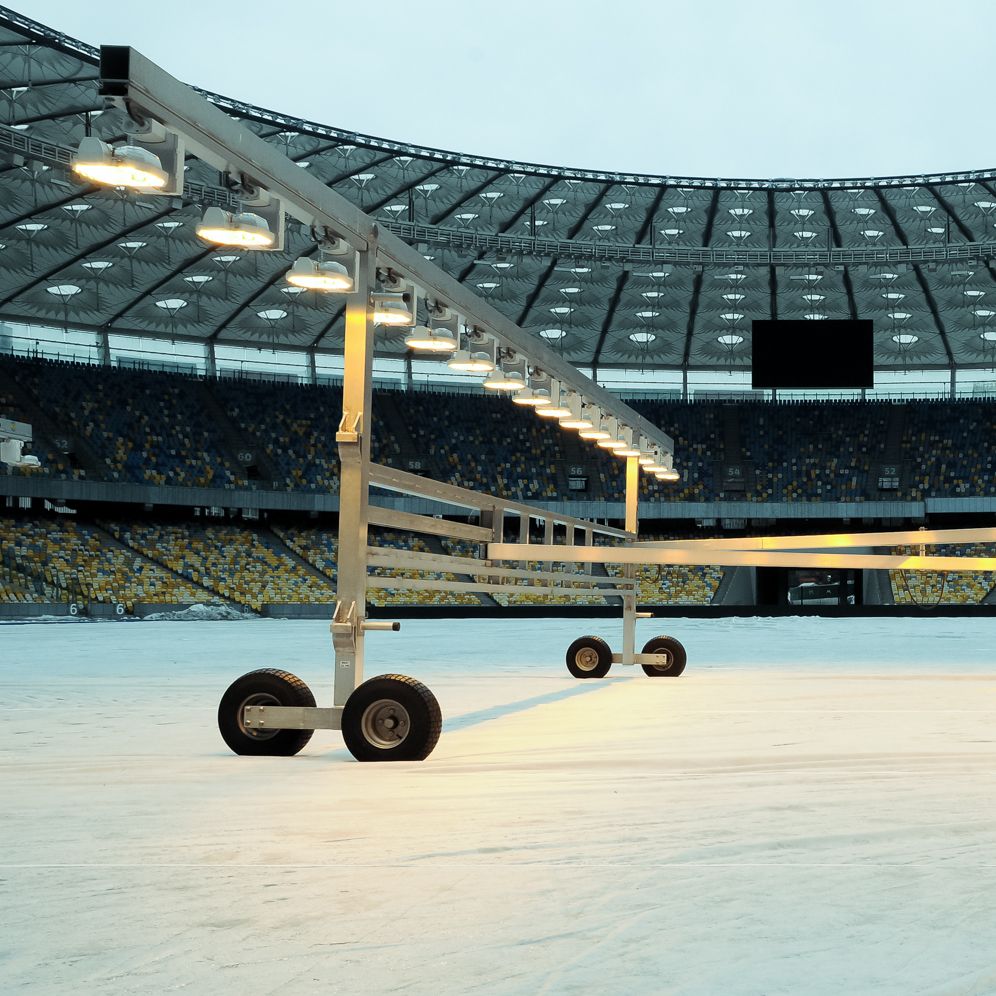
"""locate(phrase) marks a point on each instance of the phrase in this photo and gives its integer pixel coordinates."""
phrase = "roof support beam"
(474, 192)
(953, 216)
(78, 257)
(610, 313)
(535, 293)
(852, 304)
(935, 313)
(80, 194)
(693, 301)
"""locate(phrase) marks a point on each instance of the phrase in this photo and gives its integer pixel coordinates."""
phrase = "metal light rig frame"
(395, 717)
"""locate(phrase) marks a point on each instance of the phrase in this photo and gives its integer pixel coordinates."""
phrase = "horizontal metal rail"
(416, 560)
(413, 484)
(698, 556)
(412, 523)
(486, 242)
(837, 541)
(59, 156)
(475, 587)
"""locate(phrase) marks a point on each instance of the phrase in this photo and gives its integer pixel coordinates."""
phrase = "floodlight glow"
(499, 380)
(431, 340)
(669, 475)
(534, 397)
(223, 228)
(327, 276)
(467, 362)
(127, 166)
(597, 430)
(390, 310)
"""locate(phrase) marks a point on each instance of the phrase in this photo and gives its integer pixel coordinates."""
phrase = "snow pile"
(200, 612)
(21, 620)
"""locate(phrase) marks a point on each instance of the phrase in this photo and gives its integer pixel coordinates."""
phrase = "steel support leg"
(629, 571)
(353, 439)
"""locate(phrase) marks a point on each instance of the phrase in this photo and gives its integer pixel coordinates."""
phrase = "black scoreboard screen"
(808, 354)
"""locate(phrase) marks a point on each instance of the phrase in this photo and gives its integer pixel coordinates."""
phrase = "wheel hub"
(259, 699)
(385, 723)
(586, 659)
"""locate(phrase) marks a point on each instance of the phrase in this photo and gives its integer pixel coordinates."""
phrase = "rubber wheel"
(268, 686)
(589, 657)
(675, 651)
(391, 718)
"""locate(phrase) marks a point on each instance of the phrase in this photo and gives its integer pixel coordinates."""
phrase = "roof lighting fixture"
(391, 310)
(127, 166)
(467, 362)
(628, 440)
(580, 414)
(642, 338)
(509, 375)
(557, 408)
(670, 475)
(326, 276)
(905, 339)
(989, 335)
(536, 393)
(244, 229)
(598, 430)
(730, 340)
(499, 380)
(431, 340)
(552, 334)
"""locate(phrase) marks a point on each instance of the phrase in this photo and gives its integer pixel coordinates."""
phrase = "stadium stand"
(937, 588)
(177, 429)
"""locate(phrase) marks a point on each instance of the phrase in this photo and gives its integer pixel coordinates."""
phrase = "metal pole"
(353, 438)
(629, 571)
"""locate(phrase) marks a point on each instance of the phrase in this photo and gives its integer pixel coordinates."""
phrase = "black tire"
(589, 657)
(675, 651)
(391, 718)
(268, 686)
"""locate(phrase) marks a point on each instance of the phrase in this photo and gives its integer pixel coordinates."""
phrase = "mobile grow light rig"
(395, 717)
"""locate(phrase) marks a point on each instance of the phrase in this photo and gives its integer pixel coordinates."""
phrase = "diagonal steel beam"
(693, 301)
(573, 231)
(78, 257)
(610, 312)
(80, 194)
(476, 191)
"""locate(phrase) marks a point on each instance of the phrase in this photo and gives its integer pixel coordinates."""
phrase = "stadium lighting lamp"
(628, 439)
(500, 380)
(612, 441)
(670, 475)
(597, 430)
(326, 276)
(507, 376)
(467, 362)
(126, 166)
(536, 394)
(243, 229)
(430, 340)
(391, 310)
(580, 416)
(557, 408)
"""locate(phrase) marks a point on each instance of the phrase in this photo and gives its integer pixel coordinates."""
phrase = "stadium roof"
(612, 269)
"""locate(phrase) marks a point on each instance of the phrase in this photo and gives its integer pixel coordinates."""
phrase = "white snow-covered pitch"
(810, 809)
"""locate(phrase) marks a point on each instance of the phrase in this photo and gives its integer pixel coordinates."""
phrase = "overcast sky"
(708, 88)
